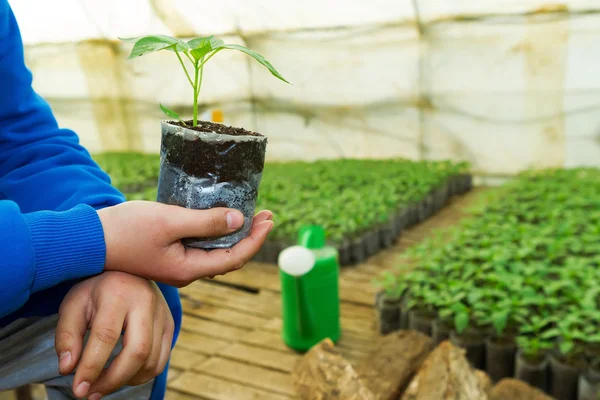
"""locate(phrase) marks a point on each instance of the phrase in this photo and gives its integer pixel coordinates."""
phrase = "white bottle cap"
(296, 260)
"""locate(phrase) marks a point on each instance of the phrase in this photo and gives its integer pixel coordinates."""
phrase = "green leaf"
(203, 45)
(149, 44)
(171, 113)
(461, 322)
(254, 55)
(499, 320)
(566, 346)
(203, 41)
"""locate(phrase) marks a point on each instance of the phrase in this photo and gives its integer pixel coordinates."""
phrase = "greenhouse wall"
(506, 85)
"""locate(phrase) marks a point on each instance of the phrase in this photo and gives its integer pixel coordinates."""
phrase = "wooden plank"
(208, 387)
(212, 328)
(223, 315)
(253, 276)
(273, 325)
(268, 340)
(265, 303)
(354, 293)
(198, 343)
(173, 395)
(252, 375)
(357, 310)
(263, 357)
(183, 359)
(357, 325)
(173, 373)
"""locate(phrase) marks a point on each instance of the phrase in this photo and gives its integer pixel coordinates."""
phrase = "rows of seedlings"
(517, 285)
(363, 205)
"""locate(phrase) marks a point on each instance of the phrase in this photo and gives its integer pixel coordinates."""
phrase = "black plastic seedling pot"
(211, 165)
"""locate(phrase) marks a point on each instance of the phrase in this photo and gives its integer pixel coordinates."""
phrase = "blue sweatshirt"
(50, 188)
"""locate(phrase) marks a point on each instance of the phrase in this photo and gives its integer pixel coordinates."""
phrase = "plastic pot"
(219, 166)
(533, 372)
(500, 355)
(388, 313)
(357, 251)
(588, 387)
(344, 253)
(440, 331)
(420, 321)
(564, 377)
(404, 312)
(386, 234)
(269, 251)
(422, 211)
(401, 221)
(467, 182)
(474, 343)
(412, 215)
(440, 196)
(372, 242)
(453, 185)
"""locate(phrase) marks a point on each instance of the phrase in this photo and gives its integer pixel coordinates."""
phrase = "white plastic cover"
(504, 84)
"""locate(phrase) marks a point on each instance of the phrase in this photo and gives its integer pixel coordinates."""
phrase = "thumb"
(71, 329)
(185, 223)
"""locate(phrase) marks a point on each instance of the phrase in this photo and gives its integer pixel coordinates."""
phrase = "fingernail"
(82, 389)
(64, 360)
(95, 396)
(270, 228)
(234, 220)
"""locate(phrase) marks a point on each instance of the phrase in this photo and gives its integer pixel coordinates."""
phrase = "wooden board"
(252, 375)
(231, 347)
(259, 356)
(208, 387)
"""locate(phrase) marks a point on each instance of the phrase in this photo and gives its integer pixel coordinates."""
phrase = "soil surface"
(206, 126)
(224, 161)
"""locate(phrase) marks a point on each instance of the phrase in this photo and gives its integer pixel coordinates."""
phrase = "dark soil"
(225, 161)
(534, 360)
(502, 340)
(205, 126)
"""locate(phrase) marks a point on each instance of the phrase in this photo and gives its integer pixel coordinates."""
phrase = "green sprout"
(197, 51)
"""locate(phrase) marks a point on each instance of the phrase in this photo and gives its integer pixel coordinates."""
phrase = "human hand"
(144, 239)
(109, 304)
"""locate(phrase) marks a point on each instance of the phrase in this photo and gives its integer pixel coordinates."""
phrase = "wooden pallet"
(230, 345)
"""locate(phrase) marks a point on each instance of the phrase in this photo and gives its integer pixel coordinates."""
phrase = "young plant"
(196, 52)
(392, 288)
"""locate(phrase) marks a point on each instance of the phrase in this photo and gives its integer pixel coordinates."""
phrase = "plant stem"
(197, 86)
(184, 68)
(196, 91)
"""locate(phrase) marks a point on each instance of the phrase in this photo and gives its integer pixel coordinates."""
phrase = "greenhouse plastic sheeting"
(506, 85)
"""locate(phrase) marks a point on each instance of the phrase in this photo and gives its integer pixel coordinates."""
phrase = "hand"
(108, 304)
(144, 239)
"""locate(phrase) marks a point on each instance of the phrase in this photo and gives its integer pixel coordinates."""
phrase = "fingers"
(167, 340)
(262, 216)
(199, 263)
(137, 350)
(148, 370)
(104, 335)
(70, 330)
(184, 223)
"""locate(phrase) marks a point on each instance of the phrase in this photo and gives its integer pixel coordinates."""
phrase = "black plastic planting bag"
(202, 170)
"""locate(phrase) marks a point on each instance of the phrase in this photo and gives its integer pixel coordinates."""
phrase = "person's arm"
(42, 167)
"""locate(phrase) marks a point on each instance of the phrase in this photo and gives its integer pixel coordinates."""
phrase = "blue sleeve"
(50, 188)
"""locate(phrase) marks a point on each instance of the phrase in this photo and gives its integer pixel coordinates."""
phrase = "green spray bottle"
(309, 274)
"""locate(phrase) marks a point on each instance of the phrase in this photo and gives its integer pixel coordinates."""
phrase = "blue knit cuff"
(67, 245)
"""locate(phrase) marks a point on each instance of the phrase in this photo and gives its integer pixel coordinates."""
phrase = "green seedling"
(196, 52)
